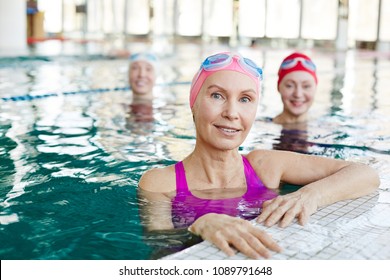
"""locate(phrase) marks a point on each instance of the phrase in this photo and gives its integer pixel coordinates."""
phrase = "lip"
(141, 83)
(228, 130)
(297, 103)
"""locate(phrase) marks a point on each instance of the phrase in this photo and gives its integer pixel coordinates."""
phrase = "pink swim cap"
(224, 61)
(297, 62)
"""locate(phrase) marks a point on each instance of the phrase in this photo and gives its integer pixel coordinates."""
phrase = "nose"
(298, 92)
(230, 110)
(141, 72)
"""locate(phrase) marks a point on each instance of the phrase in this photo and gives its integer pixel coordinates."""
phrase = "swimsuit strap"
(181, 181)
(251, 177)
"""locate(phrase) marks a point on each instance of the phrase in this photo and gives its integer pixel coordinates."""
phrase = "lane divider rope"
(29, 97)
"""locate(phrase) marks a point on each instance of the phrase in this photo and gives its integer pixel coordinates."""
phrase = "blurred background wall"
(331, 23)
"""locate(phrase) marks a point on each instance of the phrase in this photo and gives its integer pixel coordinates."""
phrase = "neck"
(211, 169)
(287, 118)
(142, 98)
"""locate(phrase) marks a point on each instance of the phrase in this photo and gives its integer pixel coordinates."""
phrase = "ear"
(279, 89)
(193, 115)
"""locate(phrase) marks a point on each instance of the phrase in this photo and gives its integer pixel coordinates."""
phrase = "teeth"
(297, 102)
(229, 130)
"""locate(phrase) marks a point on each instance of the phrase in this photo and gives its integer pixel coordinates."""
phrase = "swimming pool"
(72, 154)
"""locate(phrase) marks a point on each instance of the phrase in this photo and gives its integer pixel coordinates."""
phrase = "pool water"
(72, 152)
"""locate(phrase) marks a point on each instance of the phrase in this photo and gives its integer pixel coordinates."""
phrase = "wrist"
(198, 226)
(313, 193)
(192, 230)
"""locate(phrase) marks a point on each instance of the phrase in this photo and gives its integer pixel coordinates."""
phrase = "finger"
(290, 215)
(267, 240)
(303, 216)
(223, 245)
(248, 245)
(269, 207)
(242, 238)
(278, 213)
(264, 211)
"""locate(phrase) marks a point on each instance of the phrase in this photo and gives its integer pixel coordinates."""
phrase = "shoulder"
(264, 159)
(279, 119)
(159, 179)
(270, 165)
(278, 159)
(273, 155)
(259, 156)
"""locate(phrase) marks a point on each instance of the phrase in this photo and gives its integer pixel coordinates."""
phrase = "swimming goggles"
(221, 60)
(142, 55)
(290, 63)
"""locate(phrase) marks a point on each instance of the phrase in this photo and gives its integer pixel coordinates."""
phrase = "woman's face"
(225, 109)
(142, 77)
(297, 90)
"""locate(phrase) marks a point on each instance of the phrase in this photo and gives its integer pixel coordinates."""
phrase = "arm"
(155, 210)
(154, 194)
(159, 231)
(324, 182)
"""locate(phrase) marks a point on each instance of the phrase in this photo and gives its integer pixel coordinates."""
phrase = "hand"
(223, 231)
(283, 209)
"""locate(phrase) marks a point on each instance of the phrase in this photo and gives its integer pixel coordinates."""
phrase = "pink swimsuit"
(186, 207)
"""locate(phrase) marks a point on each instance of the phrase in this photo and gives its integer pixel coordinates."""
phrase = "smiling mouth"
(297, 103)
(228, 130)
(141, 83)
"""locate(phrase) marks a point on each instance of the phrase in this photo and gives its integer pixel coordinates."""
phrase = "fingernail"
(267, 255)
(268, 224)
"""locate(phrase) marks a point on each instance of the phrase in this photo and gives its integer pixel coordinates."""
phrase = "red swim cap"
(297, 62)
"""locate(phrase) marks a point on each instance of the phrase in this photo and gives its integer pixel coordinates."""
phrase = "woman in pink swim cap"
(297, 85)
(215, 188)
(224, 61)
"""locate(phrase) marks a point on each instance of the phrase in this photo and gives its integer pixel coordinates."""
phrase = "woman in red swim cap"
(297, 85)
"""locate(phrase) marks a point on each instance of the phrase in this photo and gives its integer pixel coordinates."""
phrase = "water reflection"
(140, 112)
(293, 137)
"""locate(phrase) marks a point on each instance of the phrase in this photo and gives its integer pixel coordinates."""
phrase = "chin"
(298, 111)
(142, 93)
(227, 146)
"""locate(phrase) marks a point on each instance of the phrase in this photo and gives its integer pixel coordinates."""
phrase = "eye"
(137, 67)
(216, 95)
(307, 86)
(245, 99)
